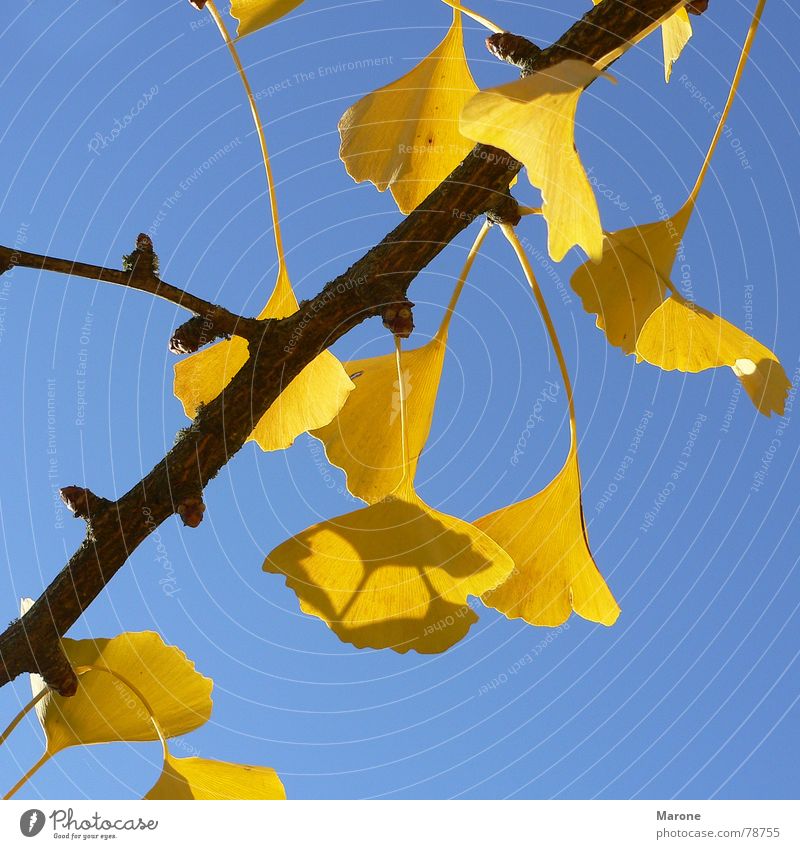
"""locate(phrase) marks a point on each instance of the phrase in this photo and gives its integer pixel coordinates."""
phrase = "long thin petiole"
(35, 768)
(484, 22)
(748, 43)
(273, 201)
(510, 234)
(441, 333)
(82, 670)
(21, 715)
(401, 389)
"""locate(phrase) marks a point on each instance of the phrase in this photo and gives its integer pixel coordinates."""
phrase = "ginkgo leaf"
(545, 535)
(405, 136)
(632, 277)
(393, 575)
(365, 438)
(199, 778)
(533, 119)
(106, 710)
(554, 572)
(255, 14)
(369, 449)
(310, 401)
(680, 336)
(676, 30)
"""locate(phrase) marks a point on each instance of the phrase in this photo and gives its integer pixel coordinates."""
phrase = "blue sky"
(693, 693)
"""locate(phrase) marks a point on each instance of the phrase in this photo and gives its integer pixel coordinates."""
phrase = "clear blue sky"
(692, 694)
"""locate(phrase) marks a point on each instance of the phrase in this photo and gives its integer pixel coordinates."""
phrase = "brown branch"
(142, 275)
(281, 350)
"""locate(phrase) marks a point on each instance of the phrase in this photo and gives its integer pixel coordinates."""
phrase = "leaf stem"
(510, 234)
(273, 201)
(81, 670)
(748, 43)
(21, 715)
(406, 482)
(29, 774)
(444, 327)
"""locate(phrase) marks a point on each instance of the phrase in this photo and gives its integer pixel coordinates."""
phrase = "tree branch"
(142, 275)
(278, 353)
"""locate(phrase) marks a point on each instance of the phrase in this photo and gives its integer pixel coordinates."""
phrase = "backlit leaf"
(675, 32)
(393, 575)
(310, 401)
(405, 136)
(682, 336)
(199, 778)
(631, 279)
(533, 119)
(554, 572)
(106, 710)
(545, 535)
(365, 438)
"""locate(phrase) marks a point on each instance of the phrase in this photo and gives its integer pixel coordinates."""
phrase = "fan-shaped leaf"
(405, 136)
(106, 710)
(533, 119)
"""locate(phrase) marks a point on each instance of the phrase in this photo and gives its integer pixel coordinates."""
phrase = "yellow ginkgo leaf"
(370, 450)
(396, 574)
(680, 336)
(310, 401)
(365, 438)
(107, 710)
(393, 575)
(632, 277)
(255, 14)
(676, 30)
(199, 778)
(554, 570)
(405, 136)
(533, 119)
(545, 535)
